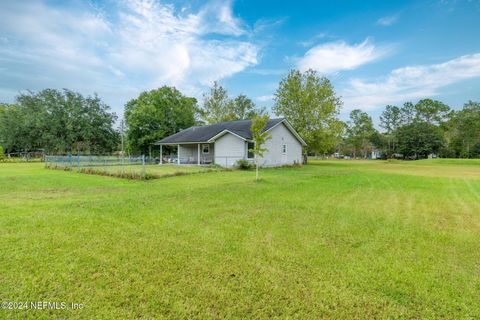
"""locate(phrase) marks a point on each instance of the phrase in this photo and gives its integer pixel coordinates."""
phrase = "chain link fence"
(134, 167)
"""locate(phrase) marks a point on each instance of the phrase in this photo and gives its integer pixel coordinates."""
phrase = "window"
(250, 146)
(205, 148)
(284, 148)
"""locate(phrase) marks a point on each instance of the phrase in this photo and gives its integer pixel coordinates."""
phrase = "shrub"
(244, 164)
(2, 154)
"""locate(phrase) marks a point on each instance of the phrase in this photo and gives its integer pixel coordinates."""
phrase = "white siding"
(228, 150)
(274, 156)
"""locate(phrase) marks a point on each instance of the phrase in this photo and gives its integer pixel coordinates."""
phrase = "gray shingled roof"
(205, 133)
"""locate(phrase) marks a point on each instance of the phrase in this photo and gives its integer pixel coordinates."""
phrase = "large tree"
(245, 108)
(311, 105)
(431, 111)
(407, 113)
(419, 139)
(156, 114)
(219, 107)
(58, 121)
(464, 131)
(360, 132)
(390, 121)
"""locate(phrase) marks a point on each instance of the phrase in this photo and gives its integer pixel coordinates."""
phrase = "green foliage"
(2, 154)
(58, 121)
(407, 113)
(259, 137)
(156, 114)
(431, 127)
(360, 132)
(310, 104)
(390, 120)
(243, 164)
(218, 107)
(419, 139)
(463, 132)
(431, 111)
(245, 108)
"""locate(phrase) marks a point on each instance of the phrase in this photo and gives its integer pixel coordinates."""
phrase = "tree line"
(414, 131)
(63, 121)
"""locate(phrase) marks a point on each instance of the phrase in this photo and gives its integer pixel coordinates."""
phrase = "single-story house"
(225, 143)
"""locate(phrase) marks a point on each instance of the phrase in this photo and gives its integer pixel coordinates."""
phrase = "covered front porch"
(189, 154)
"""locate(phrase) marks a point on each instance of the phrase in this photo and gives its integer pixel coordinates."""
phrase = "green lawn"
(334, 239)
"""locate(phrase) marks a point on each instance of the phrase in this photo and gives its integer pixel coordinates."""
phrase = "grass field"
(333, 239)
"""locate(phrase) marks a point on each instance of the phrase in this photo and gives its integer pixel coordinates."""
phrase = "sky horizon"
(374, 52)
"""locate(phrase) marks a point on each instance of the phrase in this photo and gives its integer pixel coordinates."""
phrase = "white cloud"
(265, 98)
(388, 20)
(312, 40)
(410, 83)
(138, 46)
(337, 56)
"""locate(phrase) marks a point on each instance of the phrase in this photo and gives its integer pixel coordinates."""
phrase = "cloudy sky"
(375, 52)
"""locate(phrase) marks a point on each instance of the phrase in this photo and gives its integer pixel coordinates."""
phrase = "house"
(225, 143)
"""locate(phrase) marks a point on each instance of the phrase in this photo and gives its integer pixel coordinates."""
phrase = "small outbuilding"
(225, 143)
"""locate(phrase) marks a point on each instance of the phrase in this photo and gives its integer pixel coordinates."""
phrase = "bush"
(244, 165)
(2, 154)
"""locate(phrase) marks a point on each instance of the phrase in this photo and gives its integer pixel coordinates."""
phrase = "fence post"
(78, 162)
(143, 165)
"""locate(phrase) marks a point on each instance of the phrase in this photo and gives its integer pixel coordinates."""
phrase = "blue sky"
(375, 52)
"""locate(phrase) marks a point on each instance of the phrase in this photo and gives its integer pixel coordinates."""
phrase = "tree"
(58, 121)
(310, 104)
(419, 139)
(245, 108)
(464, 131)
(218, 107)
(359, 132)
(11, 125)
(390, 121)
(407, 113)
(259, 137)
(431, 111)
(156, 114)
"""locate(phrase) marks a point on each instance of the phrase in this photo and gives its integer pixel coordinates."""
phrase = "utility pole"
(123, 152)
(121, 134)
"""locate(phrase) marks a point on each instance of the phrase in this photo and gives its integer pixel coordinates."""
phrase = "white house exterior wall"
(228, 150)
(275, 157)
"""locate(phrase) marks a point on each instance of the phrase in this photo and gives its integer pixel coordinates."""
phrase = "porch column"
(161, 160)
(178, 154)
(198, 157)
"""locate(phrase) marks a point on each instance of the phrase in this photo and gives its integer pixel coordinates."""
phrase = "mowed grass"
(333, 239)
